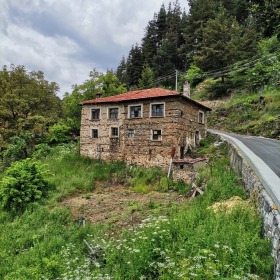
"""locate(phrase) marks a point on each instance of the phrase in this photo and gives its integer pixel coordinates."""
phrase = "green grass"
(245, 114)
(190, 241)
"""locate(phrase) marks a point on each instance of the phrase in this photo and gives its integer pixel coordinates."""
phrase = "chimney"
(98, 95)
(187, 89)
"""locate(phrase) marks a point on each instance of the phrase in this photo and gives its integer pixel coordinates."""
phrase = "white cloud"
(66, 39)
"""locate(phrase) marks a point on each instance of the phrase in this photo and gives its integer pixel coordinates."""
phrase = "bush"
(24, 182)
(59, 133)
(41, 151)
(194, 75)
(16, 150)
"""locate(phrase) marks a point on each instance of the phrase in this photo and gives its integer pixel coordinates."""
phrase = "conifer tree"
(224, 42)
(147, 78)
(134, 66)
(121, 71)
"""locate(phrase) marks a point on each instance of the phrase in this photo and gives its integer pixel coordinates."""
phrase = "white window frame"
(95, 108)
(108, 113)
(203, 117)
(91, 133)
(132, 135)
(152, 134)
(129, 110)
(151, 111)
(114, 136)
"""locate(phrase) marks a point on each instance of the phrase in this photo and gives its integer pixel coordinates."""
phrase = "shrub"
(16, 150)
(194, 75)
(59, 133)
(24, 182)
(41, 151)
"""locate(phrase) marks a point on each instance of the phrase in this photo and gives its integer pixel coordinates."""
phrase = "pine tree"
(149, 42)
(147, 78)
(134, 66)
(224, 42)
(121, 71)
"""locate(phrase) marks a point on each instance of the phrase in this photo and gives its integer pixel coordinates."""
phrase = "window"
(94, 133)
(114, 132)
(131, 133)
(157, 110)
(95, 114)
(135, 111)
(200, 117)
(156, 134)
(113, 113)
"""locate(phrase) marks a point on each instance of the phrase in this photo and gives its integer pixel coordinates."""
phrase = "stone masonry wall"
(176, 128)
(268, 210)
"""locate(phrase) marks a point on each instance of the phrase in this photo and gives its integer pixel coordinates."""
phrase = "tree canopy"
(28, 102)
(106, 84)
(212, 35)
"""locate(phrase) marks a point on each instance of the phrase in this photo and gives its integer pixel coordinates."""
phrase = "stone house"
(141, 127)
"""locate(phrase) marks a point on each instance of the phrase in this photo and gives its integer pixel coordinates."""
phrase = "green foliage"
(147, 78)
(194, 75)
(143, 179)
(28, 103)
(223, 43)
(16, 150)
(23, 183)
(193, 242)
(41, 151)
(107, 84)
(267, 70)
(246, 114)
(182, 188)
(161, 247)
(59, 133)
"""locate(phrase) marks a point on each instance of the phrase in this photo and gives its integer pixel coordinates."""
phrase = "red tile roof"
(140, 94)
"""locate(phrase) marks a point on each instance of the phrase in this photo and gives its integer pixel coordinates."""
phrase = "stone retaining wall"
(267, 208)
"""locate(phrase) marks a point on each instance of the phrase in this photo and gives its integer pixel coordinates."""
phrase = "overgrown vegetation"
(250, 114)
(23, 183)
(187, 241)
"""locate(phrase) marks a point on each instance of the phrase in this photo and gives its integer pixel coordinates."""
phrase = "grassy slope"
(190, 241)
(244, 113)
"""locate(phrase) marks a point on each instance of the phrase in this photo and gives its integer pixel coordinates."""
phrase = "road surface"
(266, 149)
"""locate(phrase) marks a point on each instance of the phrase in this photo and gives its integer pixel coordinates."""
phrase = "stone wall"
(186, 170)
(267, 208)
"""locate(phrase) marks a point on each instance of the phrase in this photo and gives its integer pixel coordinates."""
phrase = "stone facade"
(146, 139)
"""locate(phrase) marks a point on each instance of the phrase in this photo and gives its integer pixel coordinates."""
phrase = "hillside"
(254, 115)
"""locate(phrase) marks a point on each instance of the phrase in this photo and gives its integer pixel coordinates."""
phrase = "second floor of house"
(164, 110)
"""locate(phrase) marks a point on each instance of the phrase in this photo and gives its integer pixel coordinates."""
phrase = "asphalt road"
(266, 149)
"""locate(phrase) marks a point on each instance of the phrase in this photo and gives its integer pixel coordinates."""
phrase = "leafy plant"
(16, 150)
(41, 151)
(59, 133)
(24, 182)
(182, 188)
(194, 75)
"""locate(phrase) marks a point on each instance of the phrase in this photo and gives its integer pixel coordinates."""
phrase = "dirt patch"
(120, 206)
(229, 205)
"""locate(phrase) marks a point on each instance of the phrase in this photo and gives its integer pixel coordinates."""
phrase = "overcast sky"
(67, 38)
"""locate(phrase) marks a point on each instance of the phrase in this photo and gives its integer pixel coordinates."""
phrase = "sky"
(66, 39)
